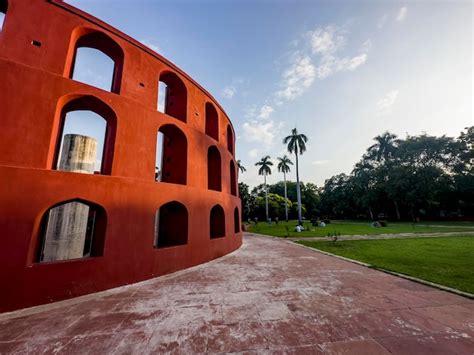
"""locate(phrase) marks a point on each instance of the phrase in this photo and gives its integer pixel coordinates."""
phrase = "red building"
(138, 227)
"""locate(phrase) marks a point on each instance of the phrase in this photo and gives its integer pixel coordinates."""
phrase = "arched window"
(214, 169)
(212, 121)
(233, 188)
(172, 96)
(97, 60)
(3, 12)
(171, 155)
(236, 221)
(230, 139)
(72, 230)
(86, 137)
(171, 225)
(217, 222)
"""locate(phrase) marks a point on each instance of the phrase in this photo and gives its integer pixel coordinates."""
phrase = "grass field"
(447, 261)
(346, 228)
(466, 224)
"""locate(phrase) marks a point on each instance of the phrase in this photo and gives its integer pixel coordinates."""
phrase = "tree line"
(418, 177)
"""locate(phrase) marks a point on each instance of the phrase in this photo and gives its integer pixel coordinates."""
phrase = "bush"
(326, 221)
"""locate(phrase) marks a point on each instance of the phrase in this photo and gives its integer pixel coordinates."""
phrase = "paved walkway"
(268, 297)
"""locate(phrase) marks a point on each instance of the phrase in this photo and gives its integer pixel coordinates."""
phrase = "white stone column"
(66, 227)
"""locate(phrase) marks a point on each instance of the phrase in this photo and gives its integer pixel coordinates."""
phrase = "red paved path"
(268, 297)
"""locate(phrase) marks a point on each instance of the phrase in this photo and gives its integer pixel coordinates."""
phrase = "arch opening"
(171, 155)
(172, 96)
(230, 140)
(97, 61)
(86, 137)
(217, 222)
(212, 121)
(214, 175)
(236, 221)
(233, 187)
(171, 225)
(72, 230)
(3, 12)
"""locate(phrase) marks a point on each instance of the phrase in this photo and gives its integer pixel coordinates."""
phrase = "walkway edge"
(111, 291)
(403, 276)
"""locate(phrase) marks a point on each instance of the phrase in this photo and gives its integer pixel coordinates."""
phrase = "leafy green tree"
(248, 201)
(310, 199)
(265, 164)
(296, 142)
(284, 167)
(276, 205)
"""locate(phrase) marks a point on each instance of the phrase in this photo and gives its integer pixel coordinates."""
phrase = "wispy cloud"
(253, 153)
(328, 43)
(317, 54)
(260, 127)
(265, 112)
(259, 132)
(319, 162)
(297, 78)
(151, 44)
(229, 91)
(382, 20)
(384, 105)
(402, 13)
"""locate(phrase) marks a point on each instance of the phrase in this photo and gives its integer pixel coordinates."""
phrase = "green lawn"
(465, 224)
(447, 261)
(345, 228)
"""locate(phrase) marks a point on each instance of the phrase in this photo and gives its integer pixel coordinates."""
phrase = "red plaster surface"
(270, 296)
(34, 88)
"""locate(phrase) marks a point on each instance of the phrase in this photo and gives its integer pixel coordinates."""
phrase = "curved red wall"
(34, 87)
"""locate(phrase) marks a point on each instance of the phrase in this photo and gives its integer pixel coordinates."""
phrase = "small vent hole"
(36, 43)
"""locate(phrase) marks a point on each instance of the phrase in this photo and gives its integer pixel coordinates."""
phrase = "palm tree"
(385, 146)
(284, 167)
(240, 167)
(265, 164)
(297, 144)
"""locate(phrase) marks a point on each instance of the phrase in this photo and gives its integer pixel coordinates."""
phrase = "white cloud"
(381, 21)
(402, 13)
(384, 105)
(260, 128)
(319, 162)
(150, 44)
(259, 132)
(297, 78)
(229, 91)
(326, 41)
(253, 153)
(317, 55)
(265, 112)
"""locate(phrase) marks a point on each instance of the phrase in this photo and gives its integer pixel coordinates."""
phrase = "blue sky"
(341, 71)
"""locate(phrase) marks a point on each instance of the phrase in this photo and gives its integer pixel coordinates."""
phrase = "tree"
(265, 164)
(240, 167)
(284, 167)
(297, 143)
(275, 205)
(248, 201)
(385, 147)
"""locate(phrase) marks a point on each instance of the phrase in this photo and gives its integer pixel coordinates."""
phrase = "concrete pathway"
(268, 297)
